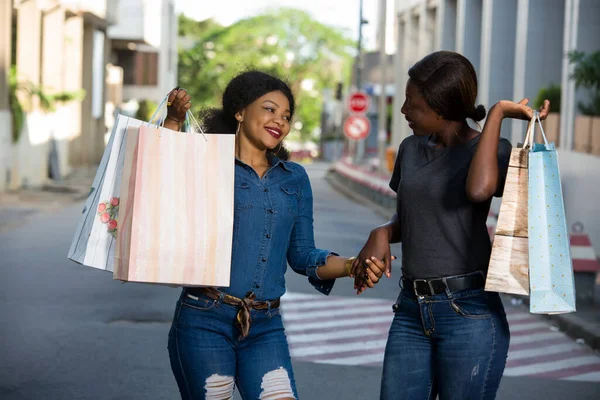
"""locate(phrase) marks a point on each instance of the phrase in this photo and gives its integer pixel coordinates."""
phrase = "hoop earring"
(237, 131)
(279, 149)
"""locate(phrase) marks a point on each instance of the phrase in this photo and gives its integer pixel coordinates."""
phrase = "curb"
(577, 328)
(341, 184)
(572, 324)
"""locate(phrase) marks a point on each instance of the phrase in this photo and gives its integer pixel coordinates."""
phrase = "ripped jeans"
(452, 347)
(208, 358)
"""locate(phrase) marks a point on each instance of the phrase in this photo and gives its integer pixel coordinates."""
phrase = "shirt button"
(265, 189)
(256, 285)
(268, 236)
(270, 210)
(264, 260)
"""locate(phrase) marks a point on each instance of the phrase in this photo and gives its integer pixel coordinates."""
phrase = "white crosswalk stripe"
(353, 331)
(345, 334)
(540, 351)
(341, 323)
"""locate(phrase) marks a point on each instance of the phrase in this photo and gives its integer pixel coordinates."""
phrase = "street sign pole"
(382, 108)
(360, 145)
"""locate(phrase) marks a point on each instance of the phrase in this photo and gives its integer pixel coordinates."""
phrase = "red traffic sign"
(358, 102)
(357, 127)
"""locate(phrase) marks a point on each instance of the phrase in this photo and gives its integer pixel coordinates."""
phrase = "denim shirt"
(273, 223)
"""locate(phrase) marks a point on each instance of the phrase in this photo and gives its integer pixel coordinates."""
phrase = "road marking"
(589, 377)
(341, 323)
(540, 351)
(552, 365)
(353, 331)
(312, 350)
(322, 336)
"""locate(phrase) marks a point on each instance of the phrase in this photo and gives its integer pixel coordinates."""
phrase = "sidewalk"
(16, 207)
(371, 188)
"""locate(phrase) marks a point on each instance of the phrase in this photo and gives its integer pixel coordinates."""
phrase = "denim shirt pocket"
(291, 197)
(243, 196)
(243, 204)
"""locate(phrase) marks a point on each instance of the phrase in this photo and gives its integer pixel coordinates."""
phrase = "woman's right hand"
(178, 104)
(378, 246)
(520, 110)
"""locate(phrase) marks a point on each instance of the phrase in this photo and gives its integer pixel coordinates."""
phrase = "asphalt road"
(71, 332)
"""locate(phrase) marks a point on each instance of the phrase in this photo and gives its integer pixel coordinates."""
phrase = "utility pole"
(382, 106)
(359, 144)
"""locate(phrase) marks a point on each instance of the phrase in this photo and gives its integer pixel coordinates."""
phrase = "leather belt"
(244, 320)
(433, 286)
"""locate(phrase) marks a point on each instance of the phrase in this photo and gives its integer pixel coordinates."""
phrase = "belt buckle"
(416, 288)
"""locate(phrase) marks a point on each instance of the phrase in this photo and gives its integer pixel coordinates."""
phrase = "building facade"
(55, 46)
(144, 45)
(516, 46)
(69, 46)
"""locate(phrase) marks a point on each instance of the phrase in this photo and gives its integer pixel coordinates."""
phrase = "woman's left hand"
(372, 273)
(520, 110)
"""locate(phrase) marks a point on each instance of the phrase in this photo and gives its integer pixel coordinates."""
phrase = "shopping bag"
(509, 261)
(552, 283)
(94, 240)
(175, 223)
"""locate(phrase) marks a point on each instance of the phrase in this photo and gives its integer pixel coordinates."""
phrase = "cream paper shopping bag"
(508, 270)
(175, 222)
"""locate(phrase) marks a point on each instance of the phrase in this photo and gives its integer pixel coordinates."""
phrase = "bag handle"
(528, 143)
(537, 117)
(189, 118)
(530, 137)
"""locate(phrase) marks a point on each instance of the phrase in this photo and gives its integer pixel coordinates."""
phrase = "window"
(139, 68)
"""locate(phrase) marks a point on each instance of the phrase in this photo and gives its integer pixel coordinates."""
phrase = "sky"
(340, 13)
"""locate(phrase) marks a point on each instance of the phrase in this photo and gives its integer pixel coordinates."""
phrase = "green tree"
(289, 43)
(586, 74)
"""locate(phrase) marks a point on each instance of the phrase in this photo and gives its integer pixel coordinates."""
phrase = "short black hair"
(448, 83)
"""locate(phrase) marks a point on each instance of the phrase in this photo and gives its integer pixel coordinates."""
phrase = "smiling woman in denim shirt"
(234, 336)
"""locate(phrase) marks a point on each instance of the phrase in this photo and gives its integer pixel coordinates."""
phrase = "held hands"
(178, 104)
(368, 274)
(374, 259)
(520, 110)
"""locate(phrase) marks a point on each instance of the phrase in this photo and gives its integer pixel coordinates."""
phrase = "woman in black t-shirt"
(449, 337)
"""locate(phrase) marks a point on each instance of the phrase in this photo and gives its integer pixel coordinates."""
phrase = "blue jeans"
(453, 345)
(208, 358)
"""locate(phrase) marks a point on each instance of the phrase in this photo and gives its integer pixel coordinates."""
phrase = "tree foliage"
(586, 74)
(289, 43)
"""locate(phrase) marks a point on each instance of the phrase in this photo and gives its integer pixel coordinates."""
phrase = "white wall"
(5, 147)
(138, 20)
(167, 29)
(446, 25)
(496, 74)
(30, 161)
(468, 30)
(427, 23)
(96, 7)
(538, 58)
(580, 180)
(399, 77)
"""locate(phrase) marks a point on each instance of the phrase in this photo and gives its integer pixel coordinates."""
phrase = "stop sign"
(357, 127)
(358, 102)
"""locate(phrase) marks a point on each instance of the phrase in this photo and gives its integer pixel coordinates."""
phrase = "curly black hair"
(242, 90)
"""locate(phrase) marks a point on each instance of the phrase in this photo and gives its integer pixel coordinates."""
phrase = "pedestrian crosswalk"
(353, 331)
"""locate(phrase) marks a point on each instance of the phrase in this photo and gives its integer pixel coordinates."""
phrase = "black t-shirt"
(442, 232)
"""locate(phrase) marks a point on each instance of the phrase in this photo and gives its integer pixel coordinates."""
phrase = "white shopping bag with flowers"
(94, 241)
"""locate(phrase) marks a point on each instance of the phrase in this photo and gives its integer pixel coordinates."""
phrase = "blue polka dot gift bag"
(551, 281)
